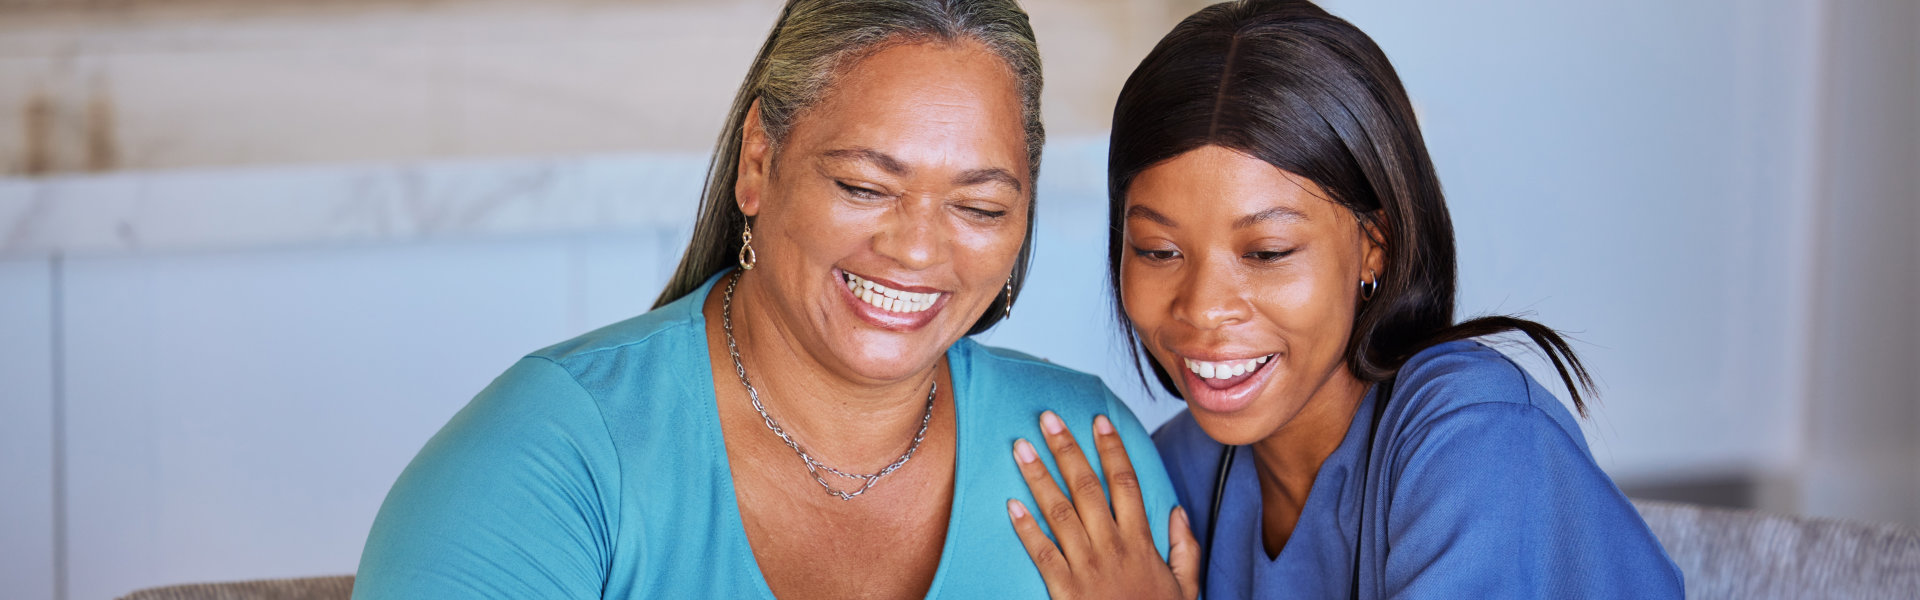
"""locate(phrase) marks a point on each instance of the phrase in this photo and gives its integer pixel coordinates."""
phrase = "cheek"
(1313, 310)
(1145, 298)
(984, 251)
(814, 223)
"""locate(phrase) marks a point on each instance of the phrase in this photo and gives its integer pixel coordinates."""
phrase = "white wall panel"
(26, 429)
(235, 416)
(1640, 174)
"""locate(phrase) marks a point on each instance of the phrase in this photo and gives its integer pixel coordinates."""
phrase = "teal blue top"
(595, 469)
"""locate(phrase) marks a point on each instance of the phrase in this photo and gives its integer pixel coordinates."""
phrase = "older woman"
(802, 415)
(1282, 253)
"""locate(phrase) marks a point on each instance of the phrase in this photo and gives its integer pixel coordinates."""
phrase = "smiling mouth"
(1226, 374)
(889, 299)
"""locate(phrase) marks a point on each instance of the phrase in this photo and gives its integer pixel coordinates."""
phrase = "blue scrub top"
(1481, 486)
(596, 469)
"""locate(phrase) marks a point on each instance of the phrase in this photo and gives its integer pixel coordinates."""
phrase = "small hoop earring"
(1008, 310)
(747, 256)
(1367, 288)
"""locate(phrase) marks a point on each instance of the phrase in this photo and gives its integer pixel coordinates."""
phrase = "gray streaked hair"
(810, 45)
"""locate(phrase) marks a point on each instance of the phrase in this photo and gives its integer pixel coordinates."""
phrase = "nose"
(1210, 296)
(913, 234)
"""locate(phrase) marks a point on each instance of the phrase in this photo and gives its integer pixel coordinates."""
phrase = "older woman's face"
(889, 219)
(1242, 281)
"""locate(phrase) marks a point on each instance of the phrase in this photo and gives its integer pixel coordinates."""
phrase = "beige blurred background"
(253, 253)
(153, 84)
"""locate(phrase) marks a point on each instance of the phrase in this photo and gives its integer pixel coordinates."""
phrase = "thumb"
(1183, 553)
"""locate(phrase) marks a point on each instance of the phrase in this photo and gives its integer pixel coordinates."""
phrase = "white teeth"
(889, 299)
(1225, 369)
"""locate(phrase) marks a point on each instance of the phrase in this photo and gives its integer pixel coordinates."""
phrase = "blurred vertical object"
(1863, 402)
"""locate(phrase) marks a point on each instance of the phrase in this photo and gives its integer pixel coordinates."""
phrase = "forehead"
(1213, 185)
(930, 105)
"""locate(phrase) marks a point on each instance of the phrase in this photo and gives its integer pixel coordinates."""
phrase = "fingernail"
(1051, 423)
(1102, 425)
(1017, 510)
(1181, 511)
(1024, 451)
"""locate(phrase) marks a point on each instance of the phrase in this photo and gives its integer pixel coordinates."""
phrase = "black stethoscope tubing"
(1384, 394)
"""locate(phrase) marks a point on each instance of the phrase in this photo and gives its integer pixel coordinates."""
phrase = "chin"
(1234, 430)
(888, 356)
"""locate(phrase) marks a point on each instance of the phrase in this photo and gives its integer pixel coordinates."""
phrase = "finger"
(1089, 495)
(1046, 557)
(1054, 505)
(1129, 512)
(1183, 553)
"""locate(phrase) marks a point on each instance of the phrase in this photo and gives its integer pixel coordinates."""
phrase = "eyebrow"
(1141, 212)
(1282, 213)
(1278, 212)
(878, 158)
(894, 167)
(989, 175)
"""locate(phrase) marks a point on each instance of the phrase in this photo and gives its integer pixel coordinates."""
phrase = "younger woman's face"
(1242, 281)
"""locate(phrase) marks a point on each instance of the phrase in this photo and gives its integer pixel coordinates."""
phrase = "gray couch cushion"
(1723, 554)
(1745, 554)
(309, 588)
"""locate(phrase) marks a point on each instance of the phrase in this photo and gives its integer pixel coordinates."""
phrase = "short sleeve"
(1496, 500)
(511, 499)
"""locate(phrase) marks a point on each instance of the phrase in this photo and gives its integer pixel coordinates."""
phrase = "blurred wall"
(103, 85)
(253, 254)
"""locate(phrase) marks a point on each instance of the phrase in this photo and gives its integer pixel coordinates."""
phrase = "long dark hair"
(815, 40)
(1309, 93)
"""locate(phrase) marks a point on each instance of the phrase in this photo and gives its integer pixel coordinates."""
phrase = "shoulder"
(1466, 383)
(633, 364)
(667, 325)
(1002, 366)
(520, 485)
(1486, 467)
(1010, 382)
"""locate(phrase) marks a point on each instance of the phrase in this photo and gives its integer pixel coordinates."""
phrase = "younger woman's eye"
(1152, 255)
(859, 192)
(1268, 256)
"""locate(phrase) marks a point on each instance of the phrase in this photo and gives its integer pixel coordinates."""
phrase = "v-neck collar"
(960, 369)
(1319, 553)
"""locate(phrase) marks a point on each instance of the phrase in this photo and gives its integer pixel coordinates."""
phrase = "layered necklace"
(814, 466)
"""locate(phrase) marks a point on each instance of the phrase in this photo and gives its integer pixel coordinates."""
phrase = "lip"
(883, 319)
(1230, 399)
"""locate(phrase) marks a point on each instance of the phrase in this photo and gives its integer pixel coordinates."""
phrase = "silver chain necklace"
(814, 466)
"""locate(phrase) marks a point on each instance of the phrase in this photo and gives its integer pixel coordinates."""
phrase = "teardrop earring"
(747, 257)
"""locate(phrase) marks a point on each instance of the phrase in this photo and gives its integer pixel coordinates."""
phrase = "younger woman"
(1282, 252)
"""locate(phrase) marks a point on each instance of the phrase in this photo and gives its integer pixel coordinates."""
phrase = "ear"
(756, 156)
(1373, 249)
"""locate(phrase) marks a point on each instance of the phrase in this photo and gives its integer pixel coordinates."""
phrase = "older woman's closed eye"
(800, 413)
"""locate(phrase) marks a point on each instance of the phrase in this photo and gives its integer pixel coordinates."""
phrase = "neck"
(1288, 461)
(856, 424)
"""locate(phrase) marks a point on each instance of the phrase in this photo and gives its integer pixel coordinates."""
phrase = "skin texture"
(911, 170)
(1228, 258)
(1205, 281)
